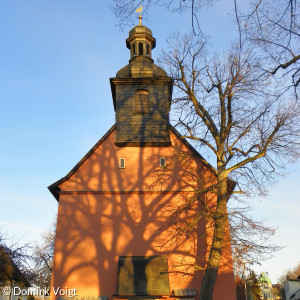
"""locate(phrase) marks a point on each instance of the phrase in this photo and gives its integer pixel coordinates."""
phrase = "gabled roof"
(54, 188)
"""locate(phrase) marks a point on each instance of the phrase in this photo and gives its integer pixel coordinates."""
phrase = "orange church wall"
(106, 212)
(100, 172)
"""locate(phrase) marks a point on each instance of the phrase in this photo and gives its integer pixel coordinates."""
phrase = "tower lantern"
(140, 41)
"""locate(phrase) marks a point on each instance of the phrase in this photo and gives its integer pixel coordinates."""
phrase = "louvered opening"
(142, 101)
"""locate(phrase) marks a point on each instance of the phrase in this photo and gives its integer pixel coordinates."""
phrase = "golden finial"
(140, 11)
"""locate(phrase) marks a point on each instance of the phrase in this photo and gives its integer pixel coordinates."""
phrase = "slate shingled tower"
(141, 94)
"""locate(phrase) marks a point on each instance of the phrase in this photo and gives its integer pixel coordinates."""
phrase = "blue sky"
(56, 58)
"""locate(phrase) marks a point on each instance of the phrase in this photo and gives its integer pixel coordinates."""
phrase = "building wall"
(292, 286)
(106, 212)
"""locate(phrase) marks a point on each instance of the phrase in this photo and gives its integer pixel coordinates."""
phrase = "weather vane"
(140, 11)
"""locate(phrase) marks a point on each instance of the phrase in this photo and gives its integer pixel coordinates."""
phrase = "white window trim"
(122, 165)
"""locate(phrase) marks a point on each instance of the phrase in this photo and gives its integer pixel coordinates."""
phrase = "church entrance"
(140, 276)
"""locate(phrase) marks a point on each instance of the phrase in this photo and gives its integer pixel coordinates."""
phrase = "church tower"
(128, 225)
(141, 93)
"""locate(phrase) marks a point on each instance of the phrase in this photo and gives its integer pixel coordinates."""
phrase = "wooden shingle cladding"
(142, 110)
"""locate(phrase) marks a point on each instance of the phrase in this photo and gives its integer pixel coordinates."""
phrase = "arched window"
(133, 50)
(140, 49)
(142, 102)
(148, 50)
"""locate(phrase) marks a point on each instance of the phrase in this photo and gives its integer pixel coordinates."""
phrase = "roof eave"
(54, 188)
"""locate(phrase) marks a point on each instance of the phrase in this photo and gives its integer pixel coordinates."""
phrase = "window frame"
(122, 165)
(162, 162)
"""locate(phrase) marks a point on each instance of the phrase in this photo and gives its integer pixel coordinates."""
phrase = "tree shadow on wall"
(143, 210)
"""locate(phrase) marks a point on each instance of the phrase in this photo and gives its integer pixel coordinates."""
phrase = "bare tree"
(253, 287)
(248, 285)
(236, 109)
(43, 258)
(250, 239)
(124, 9)
(272, 27)
(230, 107)
(275, 28)
(14, 263)
(293, 273)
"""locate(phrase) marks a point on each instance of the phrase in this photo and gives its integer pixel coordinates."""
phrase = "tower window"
(142, 101)
(122, 163)
(140, 49)
(162, 162)
(133, 49)
(148, 50)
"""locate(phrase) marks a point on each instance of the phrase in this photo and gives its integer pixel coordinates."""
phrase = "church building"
(131, 220)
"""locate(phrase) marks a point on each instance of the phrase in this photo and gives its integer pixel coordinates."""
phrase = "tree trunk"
(213, 263)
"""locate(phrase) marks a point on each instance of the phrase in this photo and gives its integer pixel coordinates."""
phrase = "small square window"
(162, 162)
(122, 163)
